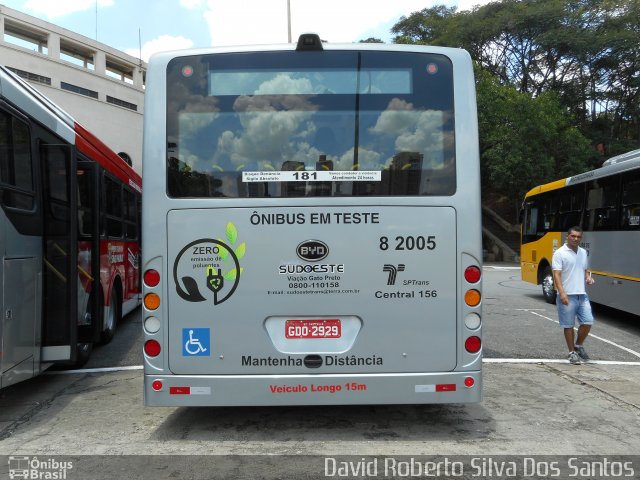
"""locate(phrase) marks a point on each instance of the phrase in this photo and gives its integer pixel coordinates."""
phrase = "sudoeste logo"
(312, 250)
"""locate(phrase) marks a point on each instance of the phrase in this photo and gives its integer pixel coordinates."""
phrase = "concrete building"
(101, 87)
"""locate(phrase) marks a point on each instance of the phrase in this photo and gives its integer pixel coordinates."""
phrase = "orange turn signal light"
(151, 301)
(472, 297)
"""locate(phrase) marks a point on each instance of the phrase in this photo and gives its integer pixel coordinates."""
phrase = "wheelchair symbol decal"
(196, 342)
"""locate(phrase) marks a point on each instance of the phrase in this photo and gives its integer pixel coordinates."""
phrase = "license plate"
(325, 328)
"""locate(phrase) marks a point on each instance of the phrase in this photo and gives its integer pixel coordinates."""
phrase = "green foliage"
(423, 26)
(525, 140)
(557, 78)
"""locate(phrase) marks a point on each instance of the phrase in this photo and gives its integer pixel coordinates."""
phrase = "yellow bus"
(605, 202)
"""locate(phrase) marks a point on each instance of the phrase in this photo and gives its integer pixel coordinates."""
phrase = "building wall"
(44, 52)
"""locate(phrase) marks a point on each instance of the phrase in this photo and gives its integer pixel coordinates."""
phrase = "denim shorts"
(579, 307)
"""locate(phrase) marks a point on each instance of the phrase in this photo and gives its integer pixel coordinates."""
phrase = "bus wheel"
(547, 286)
(112, 318)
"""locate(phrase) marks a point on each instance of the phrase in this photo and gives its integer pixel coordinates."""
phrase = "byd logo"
(312, 250)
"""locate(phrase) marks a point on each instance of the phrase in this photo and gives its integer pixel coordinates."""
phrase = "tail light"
(472, 274)
(473, 344)
(151, 301)
(152, 348)
(151, 278)
(152, 324)
(472, 297)
(472, 321)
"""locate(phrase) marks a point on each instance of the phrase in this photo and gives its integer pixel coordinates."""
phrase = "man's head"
(574, 237)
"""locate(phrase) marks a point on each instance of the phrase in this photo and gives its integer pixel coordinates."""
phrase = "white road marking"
(632, 352)
(94, 370)
(554, 360)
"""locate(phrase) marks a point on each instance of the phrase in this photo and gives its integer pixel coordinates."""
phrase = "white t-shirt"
(572, 265)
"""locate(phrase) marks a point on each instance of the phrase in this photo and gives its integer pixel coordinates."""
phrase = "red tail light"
(473, 344)
(151, 278)
(472, 274)
(152, 348)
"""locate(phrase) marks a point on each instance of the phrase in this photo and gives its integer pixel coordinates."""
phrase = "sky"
(143, 27)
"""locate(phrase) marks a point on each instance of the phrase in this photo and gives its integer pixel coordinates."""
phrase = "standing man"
(570, 274)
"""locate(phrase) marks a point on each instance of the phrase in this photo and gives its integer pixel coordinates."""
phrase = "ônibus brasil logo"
(209, 268)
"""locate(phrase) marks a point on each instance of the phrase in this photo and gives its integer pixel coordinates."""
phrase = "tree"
(525, 140)
(584, 51)
(423, 26)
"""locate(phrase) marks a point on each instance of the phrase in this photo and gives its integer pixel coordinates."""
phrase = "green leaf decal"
(240, 251)
(231, 274)
(232, 233)
(223, 253)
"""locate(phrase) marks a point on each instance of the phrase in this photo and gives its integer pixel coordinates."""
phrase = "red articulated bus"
(70, 235)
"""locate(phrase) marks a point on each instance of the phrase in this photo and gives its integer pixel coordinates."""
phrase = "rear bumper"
(351, 389)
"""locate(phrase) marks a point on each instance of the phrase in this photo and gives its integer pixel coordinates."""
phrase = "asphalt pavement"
(533, 409)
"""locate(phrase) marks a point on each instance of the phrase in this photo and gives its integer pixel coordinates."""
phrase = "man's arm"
(588, 278)
(557, 280)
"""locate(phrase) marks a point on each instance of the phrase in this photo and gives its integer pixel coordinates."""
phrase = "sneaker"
(583, 354)
(574, 358)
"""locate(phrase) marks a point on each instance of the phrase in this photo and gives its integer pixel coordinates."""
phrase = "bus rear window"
(291, 124)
